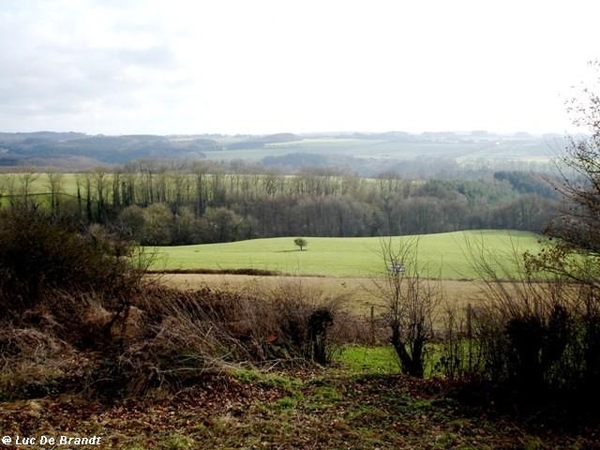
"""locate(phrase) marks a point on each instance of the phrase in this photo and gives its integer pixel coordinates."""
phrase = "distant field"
(344, 257)
(40, 182)
(462, 150)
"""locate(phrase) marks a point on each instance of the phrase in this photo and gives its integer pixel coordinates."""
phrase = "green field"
(40, 183)
(461, 149)
(445, 253)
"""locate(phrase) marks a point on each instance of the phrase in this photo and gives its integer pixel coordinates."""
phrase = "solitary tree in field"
(300, 242)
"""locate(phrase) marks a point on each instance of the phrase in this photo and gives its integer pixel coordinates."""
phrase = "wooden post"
(372, 325)
(470, 335)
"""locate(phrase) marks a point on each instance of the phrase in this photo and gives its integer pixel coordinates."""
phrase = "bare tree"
(411, 300)
(27, 178)
(575, 255)
(100, 179)
(580, 223)
(4, 186)
(55, 186)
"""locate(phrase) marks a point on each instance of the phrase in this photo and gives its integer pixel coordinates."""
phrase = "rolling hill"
(443, 254)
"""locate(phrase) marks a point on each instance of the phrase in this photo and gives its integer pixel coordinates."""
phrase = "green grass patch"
(177, 441)
(369, 360)
(323, 397)
(443, 253)
(267, 380)
(286, 403)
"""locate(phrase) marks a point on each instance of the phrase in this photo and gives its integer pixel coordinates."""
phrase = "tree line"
(156, 203)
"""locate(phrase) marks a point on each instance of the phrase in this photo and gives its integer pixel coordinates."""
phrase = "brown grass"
(357, 299)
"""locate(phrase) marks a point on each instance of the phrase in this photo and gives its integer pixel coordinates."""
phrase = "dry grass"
(356, 298)
(35, 363)
(167, 338)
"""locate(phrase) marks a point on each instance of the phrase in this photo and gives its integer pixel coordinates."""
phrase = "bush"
(535, 330)
(40, 253)
(534, 336)
(77, 292)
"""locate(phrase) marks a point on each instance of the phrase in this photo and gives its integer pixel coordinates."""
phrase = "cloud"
(53, 68)
(127, 66)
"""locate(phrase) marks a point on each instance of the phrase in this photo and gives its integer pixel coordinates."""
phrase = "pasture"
(342, 268)
(443, 255)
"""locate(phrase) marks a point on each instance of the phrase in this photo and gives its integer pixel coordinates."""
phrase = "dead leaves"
(322, 410)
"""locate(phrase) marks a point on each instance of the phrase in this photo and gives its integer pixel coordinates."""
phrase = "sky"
(268, 66)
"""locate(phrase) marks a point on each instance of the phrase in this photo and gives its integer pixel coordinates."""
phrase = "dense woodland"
(163, 204)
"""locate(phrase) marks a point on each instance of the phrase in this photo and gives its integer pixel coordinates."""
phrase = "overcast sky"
(262, 66)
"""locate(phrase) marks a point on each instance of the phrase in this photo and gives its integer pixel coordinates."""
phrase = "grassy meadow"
(444, 255)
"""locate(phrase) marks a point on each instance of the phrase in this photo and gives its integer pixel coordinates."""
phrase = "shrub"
(534, 330)
(40, 253)
(536, 335)
(61, 284)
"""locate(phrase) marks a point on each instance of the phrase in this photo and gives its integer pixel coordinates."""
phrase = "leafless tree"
(5, 181)
(27, 178)
(580, 223)
(575, 255)
(55, 186)
(411, 299)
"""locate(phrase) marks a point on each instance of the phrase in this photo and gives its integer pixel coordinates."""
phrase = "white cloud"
(267, 66)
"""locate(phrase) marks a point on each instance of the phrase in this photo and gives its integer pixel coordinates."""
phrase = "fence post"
(372, 325)
(470, 336)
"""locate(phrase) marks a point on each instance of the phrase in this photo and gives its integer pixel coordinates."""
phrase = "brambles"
(532, 331)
